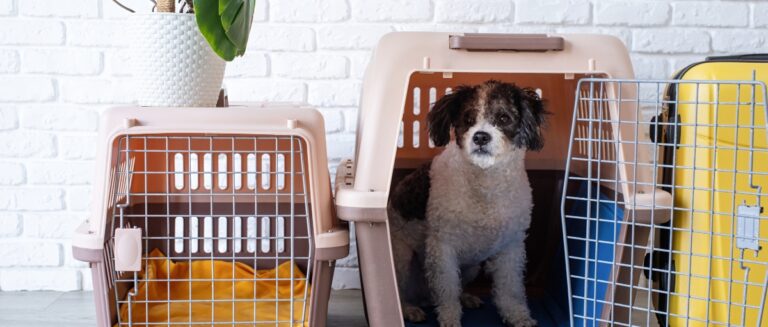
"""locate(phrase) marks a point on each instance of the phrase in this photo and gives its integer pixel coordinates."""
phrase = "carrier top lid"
(399, 55)
(250, 120)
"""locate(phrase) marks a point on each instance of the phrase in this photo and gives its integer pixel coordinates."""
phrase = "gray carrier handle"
(505, 42)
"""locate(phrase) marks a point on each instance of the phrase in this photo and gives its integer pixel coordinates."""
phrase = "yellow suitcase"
(716, 167)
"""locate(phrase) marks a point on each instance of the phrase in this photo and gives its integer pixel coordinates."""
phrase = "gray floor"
(37, 309)
(33, 309)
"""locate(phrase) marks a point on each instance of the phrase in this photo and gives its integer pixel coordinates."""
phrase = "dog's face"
(489, 120)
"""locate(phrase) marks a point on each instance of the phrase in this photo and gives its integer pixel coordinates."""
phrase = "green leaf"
(227, 10)
(236, 18)
(228, 39)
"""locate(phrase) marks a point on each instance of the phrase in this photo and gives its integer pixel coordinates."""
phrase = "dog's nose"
(481, 138)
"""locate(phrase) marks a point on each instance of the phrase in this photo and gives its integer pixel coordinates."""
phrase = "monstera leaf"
(225, 24)
(236, 18)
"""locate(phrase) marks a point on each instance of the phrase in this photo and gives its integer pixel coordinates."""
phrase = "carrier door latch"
(127, 249)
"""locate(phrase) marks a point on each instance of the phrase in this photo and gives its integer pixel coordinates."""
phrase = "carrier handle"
(332, 244)
(357, 205)
(86, 245)
(505, 42)
(650, 206)
(742, 57)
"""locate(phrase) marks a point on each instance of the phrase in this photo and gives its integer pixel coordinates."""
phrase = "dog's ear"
(532, 116)
(445, 112)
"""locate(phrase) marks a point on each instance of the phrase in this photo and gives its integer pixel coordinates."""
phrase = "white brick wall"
(62, 62)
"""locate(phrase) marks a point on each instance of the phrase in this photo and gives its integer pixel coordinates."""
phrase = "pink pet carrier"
(212, 216)
(410, 71)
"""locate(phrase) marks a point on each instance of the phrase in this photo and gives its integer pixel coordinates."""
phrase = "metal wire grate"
(238, 200)
(662, 211)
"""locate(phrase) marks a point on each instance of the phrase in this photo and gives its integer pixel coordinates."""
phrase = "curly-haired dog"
(471, 204)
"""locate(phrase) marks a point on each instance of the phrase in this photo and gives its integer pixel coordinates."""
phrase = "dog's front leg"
(444, 282)
(508, 269)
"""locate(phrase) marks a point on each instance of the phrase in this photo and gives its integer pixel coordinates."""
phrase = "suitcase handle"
(659, 125)
(742, 57)
(505, 42)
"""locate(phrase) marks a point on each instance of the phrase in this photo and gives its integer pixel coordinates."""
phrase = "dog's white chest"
(478, 214)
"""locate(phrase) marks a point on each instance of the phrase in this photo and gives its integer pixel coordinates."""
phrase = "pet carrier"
(212, 216)
(697, 260)
(410, 71)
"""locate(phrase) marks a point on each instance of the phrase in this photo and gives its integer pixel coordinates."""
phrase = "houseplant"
(180, 50)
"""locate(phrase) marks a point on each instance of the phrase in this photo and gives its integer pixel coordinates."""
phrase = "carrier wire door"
(216, 227)
(712, 147)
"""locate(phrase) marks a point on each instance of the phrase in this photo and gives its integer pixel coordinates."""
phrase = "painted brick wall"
(62, 62)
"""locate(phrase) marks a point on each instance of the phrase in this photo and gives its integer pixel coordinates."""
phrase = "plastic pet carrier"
(409, 72)
(686, 247)
(212, 216)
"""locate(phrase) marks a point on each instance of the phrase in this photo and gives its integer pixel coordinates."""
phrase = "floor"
(37, 309)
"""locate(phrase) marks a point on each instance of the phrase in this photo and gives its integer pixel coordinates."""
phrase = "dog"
(470, 206)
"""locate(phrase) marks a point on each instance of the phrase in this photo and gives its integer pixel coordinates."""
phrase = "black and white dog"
(471, 205)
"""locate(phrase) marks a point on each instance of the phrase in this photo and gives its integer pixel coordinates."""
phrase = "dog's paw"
(449, 315)
(413, 313)
(520, 321)
(470, 301)
(450, 322)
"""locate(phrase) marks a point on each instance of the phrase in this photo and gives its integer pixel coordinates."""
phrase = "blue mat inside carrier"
(592, 229)
(590, 242)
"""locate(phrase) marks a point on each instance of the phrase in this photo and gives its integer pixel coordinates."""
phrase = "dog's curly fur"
(471, 205)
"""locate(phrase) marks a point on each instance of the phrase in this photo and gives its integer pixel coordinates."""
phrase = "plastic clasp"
(128, 249)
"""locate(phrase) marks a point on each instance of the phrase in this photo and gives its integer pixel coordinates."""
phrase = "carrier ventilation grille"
(414, 133)
(594, 133)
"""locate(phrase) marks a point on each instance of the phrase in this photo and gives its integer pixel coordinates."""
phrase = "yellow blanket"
(212, 291)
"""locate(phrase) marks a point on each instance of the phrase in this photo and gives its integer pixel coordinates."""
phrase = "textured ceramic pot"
(172, 63)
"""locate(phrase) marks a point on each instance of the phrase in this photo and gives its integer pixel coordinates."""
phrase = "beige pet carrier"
(212, 216)
(408, 72)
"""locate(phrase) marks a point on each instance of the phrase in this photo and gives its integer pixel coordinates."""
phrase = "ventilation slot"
(237, 171)
(265, 170)
(194, 235)
(222, 177)
(207, 171)
(416, 128)
(250, 235)
(208, 234)
(178, 168)
(609, 152)
(280, 235)
(237, 235)
(222, 239)
(280, 171)
(194, 178)
(251, 169)
(416, 101)
(432, 96)
(178, 235)
(265, 234)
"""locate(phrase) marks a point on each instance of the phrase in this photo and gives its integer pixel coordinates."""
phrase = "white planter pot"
(172, 63)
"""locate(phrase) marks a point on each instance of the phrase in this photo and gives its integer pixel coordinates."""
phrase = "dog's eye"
(469, 120)
(503, 118)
